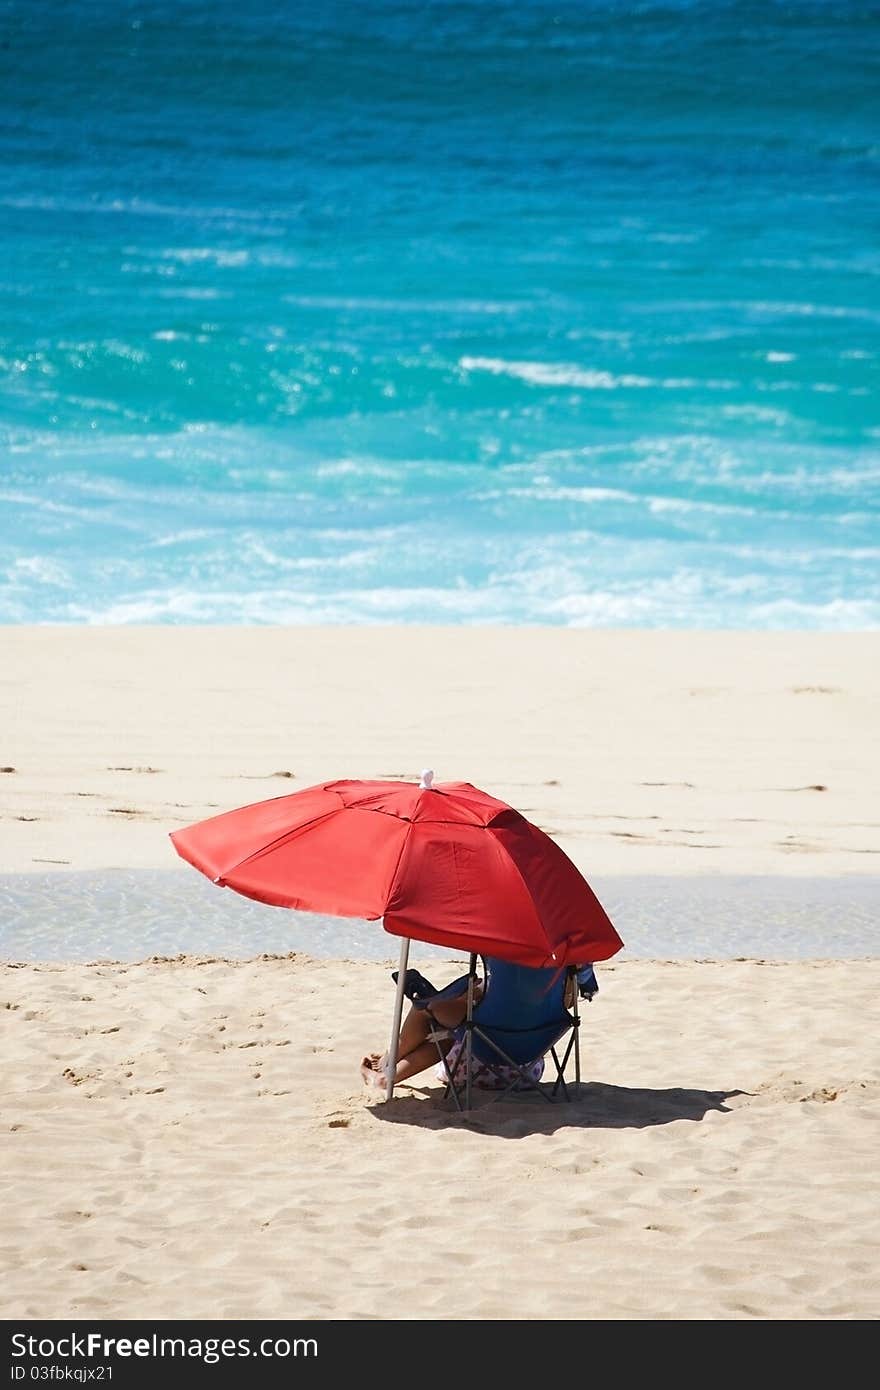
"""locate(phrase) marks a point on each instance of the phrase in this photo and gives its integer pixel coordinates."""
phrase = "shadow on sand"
(594, 1105)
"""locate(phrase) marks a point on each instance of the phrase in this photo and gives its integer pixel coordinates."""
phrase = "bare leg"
(417, 1052)
(416, 1027)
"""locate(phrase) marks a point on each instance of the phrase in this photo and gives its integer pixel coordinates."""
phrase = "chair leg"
(572, 1043)
(469, 1038)
(530, 1084)
(522, 1077)
(450, 1083)
(577, 1039)
(560, 1077)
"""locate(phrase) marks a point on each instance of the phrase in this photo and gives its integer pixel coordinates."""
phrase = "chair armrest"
(587, 984)
(453, 991)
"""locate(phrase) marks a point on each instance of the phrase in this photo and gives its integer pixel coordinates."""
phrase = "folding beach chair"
(520, 1019)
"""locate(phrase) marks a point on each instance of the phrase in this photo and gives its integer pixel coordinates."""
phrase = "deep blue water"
(465, 311)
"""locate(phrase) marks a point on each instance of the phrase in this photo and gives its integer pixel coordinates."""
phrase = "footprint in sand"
(259, 776)
(134, 769)
(792, 845)
(718, 1274)
(75, 1079)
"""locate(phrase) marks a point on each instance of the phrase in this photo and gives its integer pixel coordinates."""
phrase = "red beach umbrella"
(448, 864)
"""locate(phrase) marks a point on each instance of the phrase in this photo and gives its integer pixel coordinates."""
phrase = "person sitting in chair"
(424, 1030)
(433, 1029)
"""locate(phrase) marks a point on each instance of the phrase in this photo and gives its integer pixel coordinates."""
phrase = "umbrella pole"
(469, 1045)
(398, 1014)
(577, 1032)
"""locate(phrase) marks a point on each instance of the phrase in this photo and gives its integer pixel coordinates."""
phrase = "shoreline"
(132, 915)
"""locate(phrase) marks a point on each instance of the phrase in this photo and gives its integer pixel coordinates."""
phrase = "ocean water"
(548, 311)
(132, 914)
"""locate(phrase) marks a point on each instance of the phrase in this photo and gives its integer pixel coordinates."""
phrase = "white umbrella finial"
(427, 778)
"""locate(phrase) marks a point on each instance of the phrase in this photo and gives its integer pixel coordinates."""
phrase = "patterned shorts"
(495, 1077)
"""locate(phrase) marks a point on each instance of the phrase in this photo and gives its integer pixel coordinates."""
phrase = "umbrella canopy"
(448, 864)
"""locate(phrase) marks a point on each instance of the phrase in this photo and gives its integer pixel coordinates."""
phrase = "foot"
(371, 1070)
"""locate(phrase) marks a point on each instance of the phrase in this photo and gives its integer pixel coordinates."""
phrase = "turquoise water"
(521, 312)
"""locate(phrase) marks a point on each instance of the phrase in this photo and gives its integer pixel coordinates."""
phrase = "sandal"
(415, 986)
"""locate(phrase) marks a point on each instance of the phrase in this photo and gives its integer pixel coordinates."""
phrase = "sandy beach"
(640, 752)
(189, 1137)
(481, 388)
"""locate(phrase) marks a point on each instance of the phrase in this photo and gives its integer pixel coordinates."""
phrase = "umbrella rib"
(273, 844)
(461, 943)
(528, 890)
(404, 846)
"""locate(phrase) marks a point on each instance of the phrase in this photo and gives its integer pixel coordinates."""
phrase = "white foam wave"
(180, 538)
(549, 492)
(191, 292)
(807, 310)
(356, 468)
(355, 304)
(528, 592)
(212, 255)
(757, 415)
(148, 208)
(839, 614)
(698, 459)
(553, 374)
(40, 570)
(685, 506)
(45, 504)
(784, 308)
(584, 378)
